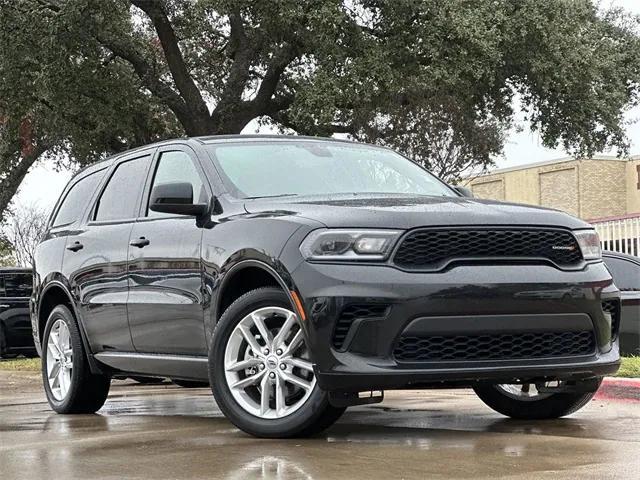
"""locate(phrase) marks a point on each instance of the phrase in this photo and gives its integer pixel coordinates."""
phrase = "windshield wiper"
(273, 196)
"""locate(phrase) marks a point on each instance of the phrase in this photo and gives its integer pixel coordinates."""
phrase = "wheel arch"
(247, 275)
(56, 293)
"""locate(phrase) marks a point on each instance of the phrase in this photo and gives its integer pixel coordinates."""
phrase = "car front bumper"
(465, 300)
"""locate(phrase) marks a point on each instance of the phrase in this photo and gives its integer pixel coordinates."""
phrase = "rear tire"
(78, 390)
(292, 408)
(540, 407)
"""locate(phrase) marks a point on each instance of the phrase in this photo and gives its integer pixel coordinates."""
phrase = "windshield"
(269, 169)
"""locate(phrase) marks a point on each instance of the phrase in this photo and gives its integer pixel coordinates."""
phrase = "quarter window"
(178, 167)
(76, 199)
(119, 200)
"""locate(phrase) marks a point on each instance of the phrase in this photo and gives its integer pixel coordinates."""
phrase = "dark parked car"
(15, 326)
(301, 276)
(625, 270)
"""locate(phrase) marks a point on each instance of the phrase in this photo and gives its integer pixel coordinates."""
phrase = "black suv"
(625, 270)
(300, 276)
(15, 327)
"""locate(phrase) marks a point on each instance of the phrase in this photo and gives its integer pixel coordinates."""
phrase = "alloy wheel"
(59, 360)
(267, 365)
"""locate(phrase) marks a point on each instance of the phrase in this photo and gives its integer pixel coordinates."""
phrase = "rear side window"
(76, 199)
(626, 275)
(119, 199)
(16, 284)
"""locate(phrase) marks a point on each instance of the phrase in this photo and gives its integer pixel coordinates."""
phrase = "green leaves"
(435, 79)
(577, 71)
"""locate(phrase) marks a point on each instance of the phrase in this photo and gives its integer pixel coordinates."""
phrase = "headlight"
(589, 244)
(329, 244)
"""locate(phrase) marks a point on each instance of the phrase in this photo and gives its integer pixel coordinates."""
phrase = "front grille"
(352, 312)
(612, 307)
(506, 346)
(433, 249)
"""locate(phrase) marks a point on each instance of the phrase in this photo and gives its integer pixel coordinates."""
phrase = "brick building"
(592, 189)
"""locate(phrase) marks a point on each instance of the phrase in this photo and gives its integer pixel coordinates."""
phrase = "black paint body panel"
(16, 326)
(630, 323)
(153, 309)
(14, 316)
(165, 303)
(629, 266)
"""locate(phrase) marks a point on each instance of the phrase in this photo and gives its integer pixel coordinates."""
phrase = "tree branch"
(150, 80)
(231, 103)
(181, 76)
(326, 129)
(263, 100)
(11, 181)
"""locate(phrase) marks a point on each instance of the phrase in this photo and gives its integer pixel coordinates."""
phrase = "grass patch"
(630, 367)
(21, 365)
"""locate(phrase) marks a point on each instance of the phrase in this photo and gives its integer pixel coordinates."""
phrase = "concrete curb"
(619, 389)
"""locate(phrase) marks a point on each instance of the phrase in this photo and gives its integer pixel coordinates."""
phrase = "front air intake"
(612, 308)
(507, 346)
(350, 314)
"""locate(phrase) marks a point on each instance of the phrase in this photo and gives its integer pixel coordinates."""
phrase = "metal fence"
(620, 235)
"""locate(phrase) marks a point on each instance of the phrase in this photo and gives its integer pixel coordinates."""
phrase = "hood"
(405, 212)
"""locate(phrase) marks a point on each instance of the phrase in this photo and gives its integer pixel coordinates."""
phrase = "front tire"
(68, 382)
(524, 402)
(260, 371)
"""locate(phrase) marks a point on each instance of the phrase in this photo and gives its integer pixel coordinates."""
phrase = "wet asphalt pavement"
(166, 432)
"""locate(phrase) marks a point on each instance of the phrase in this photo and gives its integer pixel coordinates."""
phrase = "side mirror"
(464, 191)
(176, 198)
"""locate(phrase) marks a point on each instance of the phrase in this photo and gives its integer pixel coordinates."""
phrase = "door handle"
(4, 305)
(140, 242)
(75, 247)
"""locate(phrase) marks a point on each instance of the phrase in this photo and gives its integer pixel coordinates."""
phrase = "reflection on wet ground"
(167, 432)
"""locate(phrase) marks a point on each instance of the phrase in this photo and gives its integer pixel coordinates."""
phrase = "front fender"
(249, 258)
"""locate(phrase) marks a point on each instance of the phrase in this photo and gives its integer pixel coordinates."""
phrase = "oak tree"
(442, 81)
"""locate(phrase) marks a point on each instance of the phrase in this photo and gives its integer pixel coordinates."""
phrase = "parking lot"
(168, 432)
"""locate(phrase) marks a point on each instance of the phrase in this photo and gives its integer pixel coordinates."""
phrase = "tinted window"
(626, 275)
(77, 198)
(175, 167)
(16, 284)
(119, 200)
(321, 168)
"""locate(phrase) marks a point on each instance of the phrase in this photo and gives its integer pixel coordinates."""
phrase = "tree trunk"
(11, 182)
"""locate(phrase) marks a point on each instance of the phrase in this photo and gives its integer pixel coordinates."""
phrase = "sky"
(43, 184)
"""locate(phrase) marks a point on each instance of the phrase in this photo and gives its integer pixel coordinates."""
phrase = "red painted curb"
(619, 389)
(622, 381)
